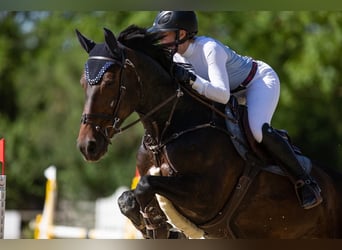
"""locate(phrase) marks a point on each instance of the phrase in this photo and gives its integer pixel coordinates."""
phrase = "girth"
(222, 225)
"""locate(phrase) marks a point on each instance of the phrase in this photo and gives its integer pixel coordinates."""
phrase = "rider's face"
(168, 37)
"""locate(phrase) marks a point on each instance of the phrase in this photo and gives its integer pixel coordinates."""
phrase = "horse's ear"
(85, 42)
(111, 42)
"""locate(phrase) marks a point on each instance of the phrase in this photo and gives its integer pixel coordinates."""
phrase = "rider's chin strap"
(176, 42)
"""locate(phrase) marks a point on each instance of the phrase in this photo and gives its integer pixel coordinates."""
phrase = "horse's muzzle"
(92, 148)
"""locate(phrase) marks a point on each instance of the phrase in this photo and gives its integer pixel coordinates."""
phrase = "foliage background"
(41, 100)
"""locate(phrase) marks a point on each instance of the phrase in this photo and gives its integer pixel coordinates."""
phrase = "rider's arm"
(217, 88)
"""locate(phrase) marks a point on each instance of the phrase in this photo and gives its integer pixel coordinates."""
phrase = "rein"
(154, 110)
(201, 100)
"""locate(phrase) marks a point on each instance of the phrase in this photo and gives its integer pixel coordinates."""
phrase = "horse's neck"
(156, 105)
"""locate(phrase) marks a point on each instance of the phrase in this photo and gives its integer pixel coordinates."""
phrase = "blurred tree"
(10, 54)
(41, 63)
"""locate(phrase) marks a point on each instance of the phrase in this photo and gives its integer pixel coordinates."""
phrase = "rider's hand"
(182, 75)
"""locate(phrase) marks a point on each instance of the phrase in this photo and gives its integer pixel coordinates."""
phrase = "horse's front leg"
(131, 209)
(153, 217)
(176, 189)
(153, 223)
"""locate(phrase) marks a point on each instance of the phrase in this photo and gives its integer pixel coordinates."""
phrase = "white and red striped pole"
(2, 188)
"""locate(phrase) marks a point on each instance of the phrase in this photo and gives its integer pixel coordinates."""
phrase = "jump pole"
(43, 228)
(2, 188)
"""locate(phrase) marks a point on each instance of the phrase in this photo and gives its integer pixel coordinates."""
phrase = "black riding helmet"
(175, 21)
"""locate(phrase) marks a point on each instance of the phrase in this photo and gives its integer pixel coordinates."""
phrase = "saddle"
(249, 149)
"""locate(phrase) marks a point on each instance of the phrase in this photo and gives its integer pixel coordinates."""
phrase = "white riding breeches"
(262, 95)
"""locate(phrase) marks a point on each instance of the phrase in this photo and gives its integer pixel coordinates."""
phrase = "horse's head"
(111, 87)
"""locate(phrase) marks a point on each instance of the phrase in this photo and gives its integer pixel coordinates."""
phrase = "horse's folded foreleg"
(151, 222)
(130, 208)
(176, 190)
(154, 217)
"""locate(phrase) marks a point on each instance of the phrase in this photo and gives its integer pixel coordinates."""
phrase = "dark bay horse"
(187, 159)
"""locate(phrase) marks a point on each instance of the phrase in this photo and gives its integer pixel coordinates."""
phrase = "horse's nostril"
(91, 147)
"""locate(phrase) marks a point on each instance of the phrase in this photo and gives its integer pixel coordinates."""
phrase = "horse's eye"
(109, 82)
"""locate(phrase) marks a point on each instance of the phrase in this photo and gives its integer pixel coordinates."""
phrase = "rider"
(216, 71)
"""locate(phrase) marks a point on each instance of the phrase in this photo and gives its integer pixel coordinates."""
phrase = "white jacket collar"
(190, 50)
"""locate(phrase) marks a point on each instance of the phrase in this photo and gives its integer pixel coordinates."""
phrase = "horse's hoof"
(175, 234)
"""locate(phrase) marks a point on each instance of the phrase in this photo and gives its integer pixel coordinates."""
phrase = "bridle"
(114, 119)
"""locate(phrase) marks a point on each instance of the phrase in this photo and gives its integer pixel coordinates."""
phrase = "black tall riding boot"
(307, 189)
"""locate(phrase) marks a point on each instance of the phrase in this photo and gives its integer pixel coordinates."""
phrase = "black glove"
(182, 75)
